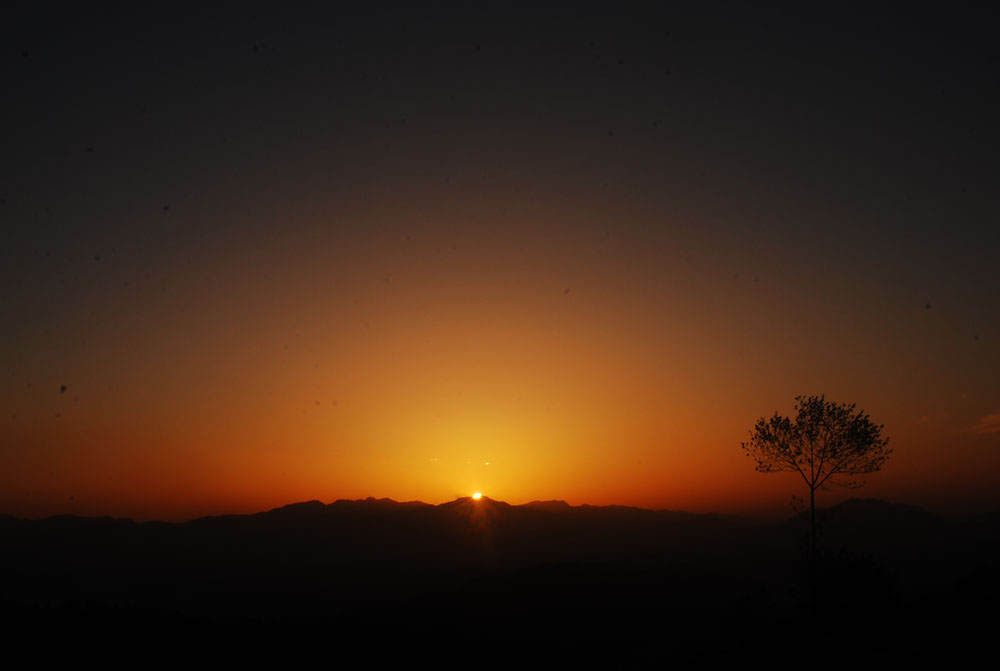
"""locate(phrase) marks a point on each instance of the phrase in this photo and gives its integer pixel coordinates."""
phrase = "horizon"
(261, 255)
(760, 515)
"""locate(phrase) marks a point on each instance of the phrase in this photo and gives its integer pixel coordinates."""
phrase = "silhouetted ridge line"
(554, 505)
(303, 507)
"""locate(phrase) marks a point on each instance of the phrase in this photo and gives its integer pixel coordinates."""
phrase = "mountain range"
(542, 570)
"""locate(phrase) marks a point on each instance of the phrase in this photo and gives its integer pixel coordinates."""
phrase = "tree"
(827, 444)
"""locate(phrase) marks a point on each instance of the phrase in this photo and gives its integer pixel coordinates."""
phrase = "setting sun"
(477, 496)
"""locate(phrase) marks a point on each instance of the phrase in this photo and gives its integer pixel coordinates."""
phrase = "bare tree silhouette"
(826, 443)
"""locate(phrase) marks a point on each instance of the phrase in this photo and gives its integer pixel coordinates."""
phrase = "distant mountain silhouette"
(548, 505)
(541, 569)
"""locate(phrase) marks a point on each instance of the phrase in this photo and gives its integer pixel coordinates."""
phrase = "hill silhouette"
(542, 571)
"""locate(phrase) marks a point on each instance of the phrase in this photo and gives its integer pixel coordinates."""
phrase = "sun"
(477, 495)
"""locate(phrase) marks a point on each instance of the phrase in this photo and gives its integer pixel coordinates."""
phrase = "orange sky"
(548, 357)
(400, 251)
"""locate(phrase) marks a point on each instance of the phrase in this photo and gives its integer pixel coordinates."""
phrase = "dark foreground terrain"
(482, 583)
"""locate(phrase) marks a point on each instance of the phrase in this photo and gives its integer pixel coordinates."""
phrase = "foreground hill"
(539, 571)
(358, 550)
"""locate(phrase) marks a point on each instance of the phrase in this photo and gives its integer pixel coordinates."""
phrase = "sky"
(257, 254)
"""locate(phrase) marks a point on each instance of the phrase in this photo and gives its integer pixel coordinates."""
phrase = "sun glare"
(477, 495)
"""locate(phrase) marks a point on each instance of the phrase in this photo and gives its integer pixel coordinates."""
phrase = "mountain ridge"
(546, 566)
(853, 506)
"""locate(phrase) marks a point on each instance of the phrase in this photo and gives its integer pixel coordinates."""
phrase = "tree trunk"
(812, 523)
(813, 578)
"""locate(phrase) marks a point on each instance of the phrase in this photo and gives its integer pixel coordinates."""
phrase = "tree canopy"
(826, 443)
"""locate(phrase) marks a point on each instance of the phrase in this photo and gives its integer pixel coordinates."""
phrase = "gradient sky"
(420, 250)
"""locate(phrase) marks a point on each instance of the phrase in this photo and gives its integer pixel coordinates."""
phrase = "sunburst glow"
(477, 496)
